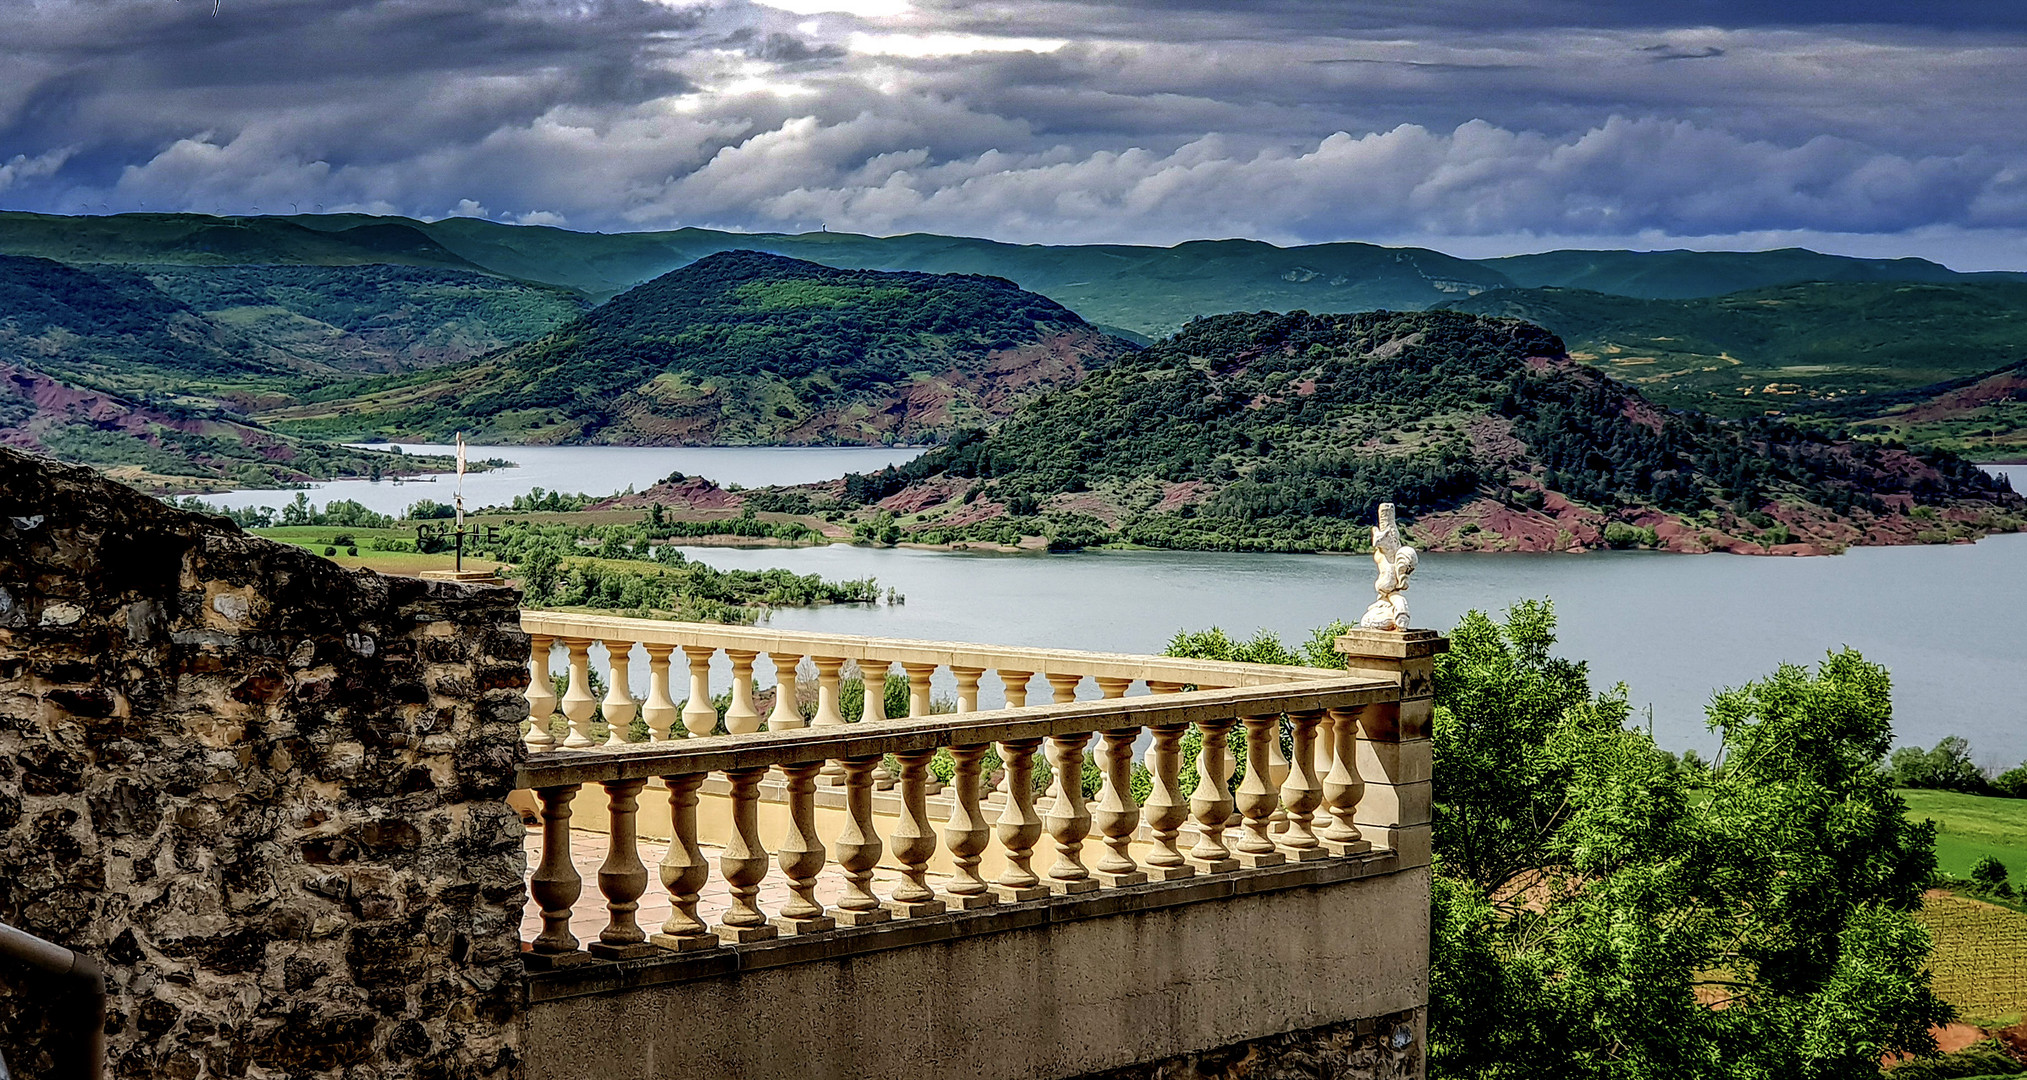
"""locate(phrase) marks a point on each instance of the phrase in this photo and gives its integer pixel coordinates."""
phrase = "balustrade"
(1298, 809)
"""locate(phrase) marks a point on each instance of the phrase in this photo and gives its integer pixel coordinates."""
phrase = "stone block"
(1394, 804)
(1398, 762)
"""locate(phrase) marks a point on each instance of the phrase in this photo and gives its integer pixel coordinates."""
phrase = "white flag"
(460, 453)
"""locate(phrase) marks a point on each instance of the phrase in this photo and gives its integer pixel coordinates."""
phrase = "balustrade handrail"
(716, 753)
(561, 624)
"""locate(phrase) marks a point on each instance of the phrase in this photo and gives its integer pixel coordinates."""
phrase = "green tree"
(1603, 910)
(1600, 912)
(1989, 873)
(539, 572)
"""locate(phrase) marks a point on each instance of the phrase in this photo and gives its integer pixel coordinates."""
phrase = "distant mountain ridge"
(1142, 289)
(746, 348)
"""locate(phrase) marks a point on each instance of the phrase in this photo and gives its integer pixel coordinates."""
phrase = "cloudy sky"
(1478, 127)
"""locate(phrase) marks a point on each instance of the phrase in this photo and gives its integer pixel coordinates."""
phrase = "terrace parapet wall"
(267, 794)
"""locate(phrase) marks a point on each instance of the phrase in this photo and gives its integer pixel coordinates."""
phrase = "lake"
(593, 470)
(1949, 621)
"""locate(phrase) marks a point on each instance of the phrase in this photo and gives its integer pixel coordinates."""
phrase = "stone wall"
(1379, 1048)
(266, 793)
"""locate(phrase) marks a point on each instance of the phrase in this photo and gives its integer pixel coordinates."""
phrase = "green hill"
(1795, 348)
(1682, 275)
(203, 240)
(1283, 432)
(746, 348)
(148, 371)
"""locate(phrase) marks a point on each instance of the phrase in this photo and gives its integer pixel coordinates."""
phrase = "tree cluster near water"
(1284, 432)
(1602, 911)
(631, 568)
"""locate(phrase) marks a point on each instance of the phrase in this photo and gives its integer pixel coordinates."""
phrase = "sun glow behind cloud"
(863, 9)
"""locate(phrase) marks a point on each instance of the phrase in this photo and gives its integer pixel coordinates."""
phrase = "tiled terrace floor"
(587, 852)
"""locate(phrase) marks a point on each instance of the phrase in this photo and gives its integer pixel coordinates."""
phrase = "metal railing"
(83, 1056)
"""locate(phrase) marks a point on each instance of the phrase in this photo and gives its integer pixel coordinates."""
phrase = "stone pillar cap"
(1392, 644)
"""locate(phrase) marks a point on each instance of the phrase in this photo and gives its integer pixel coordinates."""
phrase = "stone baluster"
(1343, 786)
(622, 878)
(966, 831)
(967, 687)
(1211, 803)
(618, 706)
(859, 848)
(742, 717)
(744, 862)
(1302, 791)
(578, 704)
(1166, 808)
(1063, 686)
(1277, 774)
(787, 715)
(829, 680)
(914, 839)
(556, 884)
(918, 687)
(1118, 815)
(684, 870)
(1256, 795)
(919, 704)
(802, 853)
(1019, 826)
(873, 674)
(700, 716)
(659, 710)
(1113, 688)
(541, 693)
(1069, 818)
(1016, 687)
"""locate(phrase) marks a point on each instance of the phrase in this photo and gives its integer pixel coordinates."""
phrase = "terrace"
(795, 851)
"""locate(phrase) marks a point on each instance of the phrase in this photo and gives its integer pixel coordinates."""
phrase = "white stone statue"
(1395, 561)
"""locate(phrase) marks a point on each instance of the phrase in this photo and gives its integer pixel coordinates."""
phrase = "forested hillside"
(1805, 349)
(747, 348)
(1284, 432)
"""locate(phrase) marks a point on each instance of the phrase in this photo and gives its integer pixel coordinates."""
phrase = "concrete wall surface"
(1062, 999)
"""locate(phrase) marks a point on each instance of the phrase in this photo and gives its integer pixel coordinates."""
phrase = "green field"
(1968, 826)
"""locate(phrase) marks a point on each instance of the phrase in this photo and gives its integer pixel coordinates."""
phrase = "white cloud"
(927, 45)
(21, 167)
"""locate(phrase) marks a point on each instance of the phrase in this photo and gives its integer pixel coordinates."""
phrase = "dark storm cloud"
(1455, 122)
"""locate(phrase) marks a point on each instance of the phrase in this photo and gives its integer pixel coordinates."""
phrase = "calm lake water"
(592, 470)
(1950, 622)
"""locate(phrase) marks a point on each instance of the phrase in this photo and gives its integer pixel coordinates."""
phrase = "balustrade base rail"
(554, 977)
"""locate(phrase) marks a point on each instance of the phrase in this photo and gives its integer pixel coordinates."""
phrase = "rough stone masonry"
(266, 793)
